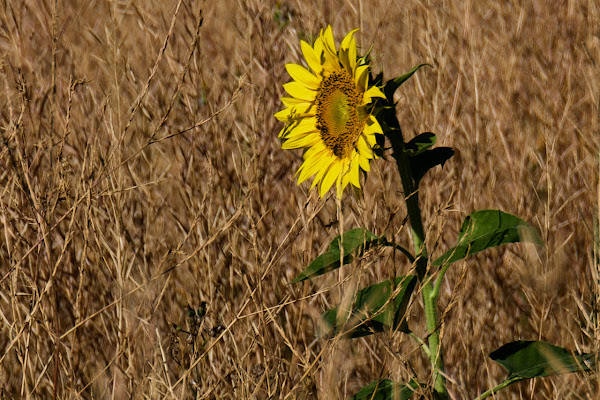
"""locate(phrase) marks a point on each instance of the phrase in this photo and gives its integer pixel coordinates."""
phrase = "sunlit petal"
(299, 91)
(313, 59)
(302, 75)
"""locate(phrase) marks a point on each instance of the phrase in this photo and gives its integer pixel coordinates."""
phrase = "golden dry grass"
(140, 172)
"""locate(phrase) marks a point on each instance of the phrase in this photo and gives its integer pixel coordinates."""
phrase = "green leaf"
(385, 389)
(531, 359)
(486, 229)
(356, 243)
(371, 311)
(393, 84)
(420, 143)
(427, 159)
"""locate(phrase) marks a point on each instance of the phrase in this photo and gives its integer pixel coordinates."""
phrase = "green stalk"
(430, 296)
(419, 341)
(499, 387)
(439, 279)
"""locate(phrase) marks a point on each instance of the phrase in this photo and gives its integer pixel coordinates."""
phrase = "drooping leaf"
(356, 243)
(420, 143)
(427, 159)
(486, 229)
(393, 84)
(372, 310)
(385, 389)
(531, 359)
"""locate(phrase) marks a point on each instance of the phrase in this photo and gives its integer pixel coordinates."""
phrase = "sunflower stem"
(430, 296)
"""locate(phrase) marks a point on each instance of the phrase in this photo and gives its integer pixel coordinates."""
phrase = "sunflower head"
(330, 113)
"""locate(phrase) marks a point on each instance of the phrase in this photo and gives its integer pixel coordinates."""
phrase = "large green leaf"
(531, 359)
(372, 310)
(393, 84)
(356, 243)
(485, 229)
(385, 389)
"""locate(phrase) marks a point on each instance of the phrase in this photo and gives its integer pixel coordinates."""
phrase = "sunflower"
(330, 113)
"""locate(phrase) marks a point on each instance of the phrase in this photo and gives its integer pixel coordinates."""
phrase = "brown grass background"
(140, 172)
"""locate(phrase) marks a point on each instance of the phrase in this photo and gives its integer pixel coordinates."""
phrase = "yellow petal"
(282, 132)
(348, 39)
(361, 77)
(302, 75)
(364, 164)
(348, 51)
(373, 91)
(298, 142)
(331, 63)
(319, 47)
(328, 40)
(372, 126)
(371, 139)
(345, 181)
(363, 148)
(294, 127)
(313, 59)
(310, 166)
(343, 56)
(302, 127)
(332, 174)
(317, 148)
(296, 113)
(326, 162)
(290, 102)
(352, 54)
(283, 115)
(299, 91)
(353, 174)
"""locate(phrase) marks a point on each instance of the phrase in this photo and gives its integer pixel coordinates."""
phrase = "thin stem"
(420, 342)
(410, 257)
(438, 281)
(499, 387)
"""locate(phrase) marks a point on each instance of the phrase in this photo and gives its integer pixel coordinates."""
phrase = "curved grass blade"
(356, 242)
(486, 229)
(373, 310)
(385, 389)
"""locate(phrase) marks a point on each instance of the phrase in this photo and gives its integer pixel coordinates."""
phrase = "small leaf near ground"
(372, 310)
(385, 389)
(486, 229)
(532, 359)
(356, 243)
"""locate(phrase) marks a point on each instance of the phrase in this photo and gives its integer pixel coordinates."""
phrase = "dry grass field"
(141, 178)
